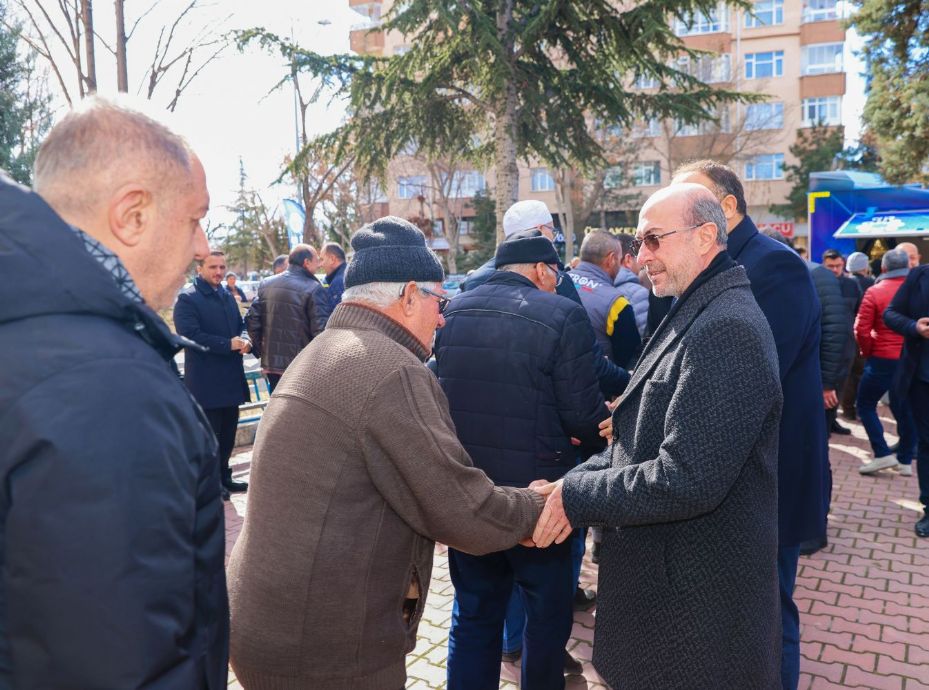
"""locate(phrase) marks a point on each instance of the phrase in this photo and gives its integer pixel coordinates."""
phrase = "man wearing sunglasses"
(516, 362)
(782, 285)
(687, 494)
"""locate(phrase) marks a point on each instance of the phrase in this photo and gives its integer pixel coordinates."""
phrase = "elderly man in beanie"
(516, 362)
(358, 465)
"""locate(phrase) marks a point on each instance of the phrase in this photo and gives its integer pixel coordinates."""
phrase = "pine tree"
(816, 148)
(896, 50)
(524, 76)
(25, 116)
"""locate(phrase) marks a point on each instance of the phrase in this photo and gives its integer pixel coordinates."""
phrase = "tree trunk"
(506, 191)
(122, 72)
(87, 15)
(452, 229)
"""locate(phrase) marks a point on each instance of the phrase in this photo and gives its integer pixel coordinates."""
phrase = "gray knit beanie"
(392, 250)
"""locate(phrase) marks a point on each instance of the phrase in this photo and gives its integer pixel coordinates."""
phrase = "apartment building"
(793, 51)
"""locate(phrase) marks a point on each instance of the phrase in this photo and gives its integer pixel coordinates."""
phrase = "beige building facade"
(792, 51)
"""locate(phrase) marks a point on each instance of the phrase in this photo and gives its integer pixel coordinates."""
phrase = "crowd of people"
(672, 392)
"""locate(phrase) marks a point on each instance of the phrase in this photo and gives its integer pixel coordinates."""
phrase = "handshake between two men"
(553, 525)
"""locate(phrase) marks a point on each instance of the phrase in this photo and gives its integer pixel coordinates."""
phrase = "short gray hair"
(380, 295)
(102, 144)
(704, 209)
(597, 245)
(895, 259)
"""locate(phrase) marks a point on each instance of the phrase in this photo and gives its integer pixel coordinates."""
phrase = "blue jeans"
(876, 379)
(919, 404)
(787, 558)
(515, 621)
(483, 585)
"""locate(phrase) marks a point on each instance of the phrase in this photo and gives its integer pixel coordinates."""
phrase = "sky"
(227, 112)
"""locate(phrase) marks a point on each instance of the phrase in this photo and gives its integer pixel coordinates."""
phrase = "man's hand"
(553, 525)
(922, 326)
(537, 486)
(830, 399)
(238, 343)
(606, 428)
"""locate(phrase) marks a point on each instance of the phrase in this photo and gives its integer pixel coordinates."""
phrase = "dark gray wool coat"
(688, 592)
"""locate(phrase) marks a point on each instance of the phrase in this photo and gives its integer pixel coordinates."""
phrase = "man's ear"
(407, 301)
(130, 213)
(730, 205)
(708, 233)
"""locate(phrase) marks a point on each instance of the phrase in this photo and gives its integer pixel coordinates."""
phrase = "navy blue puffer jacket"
(517, 366)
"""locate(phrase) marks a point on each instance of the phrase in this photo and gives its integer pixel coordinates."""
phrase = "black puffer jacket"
(517, 366)
(290, 310)
(112, 526)
(837, 334)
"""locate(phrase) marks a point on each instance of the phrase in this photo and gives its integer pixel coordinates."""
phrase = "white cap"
(526, 215)
(856, 261)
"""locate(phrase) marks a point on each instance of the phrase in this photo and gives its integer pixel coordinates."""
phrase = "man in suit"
(688, 594)
(908, 314)
(781, 284)
(207, 314)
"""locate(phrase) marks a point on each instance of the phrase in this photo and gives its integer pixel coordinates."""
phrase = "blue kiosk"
(849, 210)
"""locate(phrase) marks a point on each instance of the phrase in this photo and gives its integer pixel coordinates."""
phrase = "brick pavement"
(864, 600)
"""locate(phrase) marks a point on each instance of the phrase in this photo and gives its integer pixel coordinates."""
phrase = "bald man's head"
(681, 230)
(911, 251)
(132, 184)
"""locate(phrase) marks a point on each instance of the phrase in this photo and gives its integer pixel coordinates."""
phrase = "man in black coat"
(780, 283)
(208, 315)
(113, 538)
(332, 261)
(516, 363)
(851, 299)
(908, 314)
(290, 309)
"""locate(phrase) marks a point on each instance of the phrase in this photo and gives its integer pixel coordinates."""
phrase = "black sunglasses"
(653, 241)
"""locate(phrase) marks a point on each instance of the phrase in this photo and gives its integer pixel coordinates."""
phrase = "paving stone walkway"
(864, 599)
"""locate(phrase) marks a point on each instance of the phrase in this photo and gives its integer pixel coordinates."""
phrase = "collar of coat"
(740, 236)
(354, 315)
(721, 275)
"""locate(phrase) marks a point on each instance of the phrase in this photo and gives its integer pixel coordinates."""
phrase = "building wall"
(735, 39)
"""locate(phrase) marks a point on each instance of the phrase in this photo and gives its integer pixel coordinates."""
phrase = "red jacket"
(874, 338)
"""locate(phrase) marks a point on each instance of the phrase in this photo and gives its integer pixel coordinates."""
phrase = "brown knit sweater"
(356, 473)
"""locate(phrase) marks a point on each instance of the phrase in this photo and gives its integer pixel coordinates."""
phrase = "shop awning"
(885, 224)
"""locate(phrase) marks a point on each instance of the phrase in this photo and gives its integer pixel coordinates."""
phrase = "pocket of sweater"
(414, 601)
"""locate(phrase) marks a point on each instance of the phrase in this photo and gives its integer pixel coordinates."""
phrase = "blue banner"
(294, 218)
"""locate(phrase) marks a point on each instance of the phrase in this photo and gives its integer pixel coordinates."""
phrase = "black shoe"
(572, 667)
(595, 553)
(235, 487)
(224, 493)
(513, 657)
(839, 429)
(851, 414)
(922, 527)
(811, 546)
(584, 599)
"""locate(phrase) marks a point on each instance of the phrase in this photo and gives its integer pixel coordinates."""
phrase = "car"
(452, 284)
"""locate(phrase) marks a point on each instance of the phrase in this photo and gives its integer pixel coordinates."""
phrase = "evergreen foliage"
(484, 233)
(896, 50)
(816, 149)
(25, 116)
(525, 76)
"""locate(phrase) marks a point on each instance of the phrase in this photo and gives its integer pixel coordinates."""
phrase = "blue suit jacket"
(211, 318)
(783, 288)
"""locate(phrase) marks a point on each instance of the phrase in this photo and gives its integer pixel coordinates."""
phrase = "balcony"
(366, 41)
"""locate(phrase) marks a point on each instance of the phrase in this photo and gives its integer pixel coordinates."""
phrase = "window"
(700, 23)
(614, 178)
(822, 58)
(410, 187)
(707, 68)
(719, 124)
(768, 166)
(649, 128)
(466, 184)
(646, 81)
(826, 110)
(763, 65)
(465, 226)
(765, 13)
(820, 10)
(542, 181)
(764, 116)
(646, 174)
(401, 50)
(375, 193)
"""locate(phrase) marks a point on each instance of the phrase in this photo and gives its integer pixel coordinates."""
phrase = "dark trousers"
(919, 405)
(850, 392)
(877, 379)
(224, 421)
(832, 412)
(483, 585)
(272, 381)
(787, 558)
